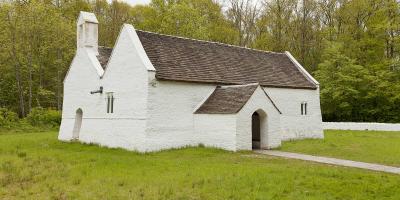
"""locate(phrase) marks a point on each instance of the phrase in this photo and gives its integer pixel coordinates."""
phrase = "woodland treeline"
(350, 46)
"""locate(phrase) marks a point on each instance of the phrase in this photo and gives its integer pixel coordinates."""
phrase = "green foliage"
(38, 166)
(44, 117)
(353, 47)
(185, 20)
(10, 123)
(351, 92)
(342, 84)
(7, 118)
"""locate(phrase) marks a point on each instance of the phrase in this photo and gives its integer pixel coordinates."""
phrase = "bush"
(8, 118)
(44, 117)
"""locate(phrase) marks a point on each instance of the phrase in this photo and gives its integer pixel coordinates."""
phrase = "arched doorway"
(78, 124)
(256, 131)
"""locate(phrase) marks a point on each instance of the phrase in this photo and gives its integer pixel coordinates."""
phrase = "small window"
(304, 108)
(110, 102)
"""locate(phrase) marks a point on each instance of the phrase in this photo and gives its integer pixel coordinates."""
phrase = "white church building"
(153, 91)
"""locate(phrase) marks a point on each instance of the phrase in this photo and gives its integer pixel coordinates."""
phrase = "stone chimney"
(87, 31)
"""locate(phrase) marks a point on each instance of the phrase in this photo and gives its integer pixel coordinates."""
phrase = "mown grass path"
(365, 146)
(37, 166)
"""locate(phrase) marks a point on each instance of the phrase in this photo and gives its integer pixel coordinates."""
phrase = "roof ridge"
(211, 42)
(242, 85)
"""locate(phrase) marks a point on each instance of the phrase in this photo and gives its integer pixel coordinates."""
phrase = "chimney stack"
(87, 31)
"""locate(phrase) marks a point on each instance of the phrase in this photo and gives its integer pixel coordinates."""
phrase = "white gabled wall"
(82, 78)
(126, 76)
(270, 133)
(293, 124)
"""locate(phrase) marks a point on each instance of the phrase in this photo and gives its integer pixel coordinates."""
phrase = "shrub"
(44, 117)
(8, 118)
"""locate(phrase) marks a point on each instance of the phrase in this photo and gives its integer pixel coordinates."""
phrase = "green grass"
(37, 166)
(368, 146)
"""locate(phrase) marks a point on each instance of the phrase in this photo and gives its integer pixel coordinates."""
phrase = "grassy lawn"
(37, 166)
(368, 146)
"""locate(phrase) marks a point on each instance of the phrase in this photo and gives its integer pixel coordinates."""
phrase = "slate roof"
(227, 99)
(104, 55)
(182, 59)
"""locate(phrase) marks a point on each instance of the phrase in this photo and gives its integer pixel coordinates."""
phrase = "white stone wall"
(361, 126)
(126, 76)
(171, 122)
(151, 115)
(114, 133)
(216, 130)
(270, 134)
(293, 124)
(171, 105)
(81, 78)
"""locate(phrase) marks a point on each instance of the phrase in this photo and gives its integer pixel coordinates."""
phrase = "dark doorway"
(255, 130)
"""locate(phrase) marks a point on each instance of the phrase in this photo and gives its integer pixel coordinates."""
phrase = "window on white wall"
(304, 108)
(110, 102)
(80, 34)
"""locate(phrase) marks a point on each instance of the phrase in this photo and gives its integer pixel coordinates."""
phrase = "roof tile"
(104, 56)
(227, 99)
(183, 59)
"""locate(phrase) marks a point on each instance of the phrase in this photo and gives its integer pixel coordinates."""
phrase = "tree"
(358, 65)
(243, 14)
(343, 84)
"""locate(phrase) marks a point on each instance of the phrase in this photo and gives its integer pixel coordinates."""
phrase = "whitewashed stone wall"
(170, 121)
(151, 115)
(293, 124)
(361, 126)
(127, 77)
(269, 119)
(216, 130)
(77, 95)
(114, 133)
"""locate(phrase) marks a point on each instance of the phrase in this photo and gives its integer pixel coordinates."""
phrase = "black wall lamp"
(98, 91)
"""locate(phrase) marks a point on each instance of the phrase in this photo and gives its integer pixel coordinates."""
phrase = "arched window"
(78, 124)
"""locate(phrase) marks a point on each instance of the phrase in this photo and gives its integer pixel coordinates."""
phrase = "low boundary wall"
(361, 126)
